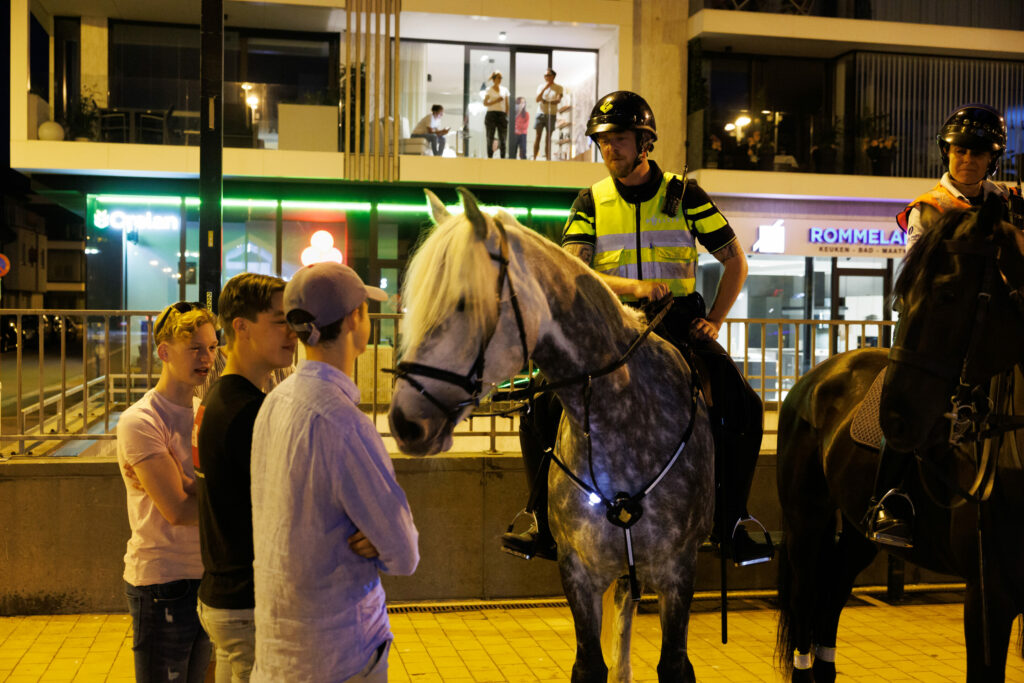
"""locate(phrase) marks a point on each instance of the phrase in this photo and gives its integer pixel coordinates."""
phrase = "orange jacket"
(939, 197)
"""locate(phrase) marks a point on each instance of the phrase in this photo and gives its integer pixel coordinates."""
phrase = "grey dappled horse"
(961, 322)
(570, 323)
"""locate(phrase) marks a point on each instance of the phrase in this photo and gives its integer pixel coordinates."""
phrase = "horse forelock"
(451, 268)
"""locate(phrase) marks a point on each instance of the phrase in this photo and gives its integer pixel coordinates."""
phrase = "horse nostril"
(406, 430)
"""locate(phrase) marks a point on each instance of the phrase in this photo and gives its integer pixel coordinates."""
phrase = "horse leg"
(1001, 614)
(839, 567)
(584, 597)
(674, 603)
(617, 633)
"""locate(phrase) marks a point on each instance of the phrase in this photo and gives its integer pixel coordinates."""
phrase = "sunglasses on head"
(181, 307)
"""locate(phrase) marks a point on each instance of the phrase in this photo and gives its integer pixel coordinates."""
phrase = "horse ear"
(473, 213)
(991, 213)
(437, 208)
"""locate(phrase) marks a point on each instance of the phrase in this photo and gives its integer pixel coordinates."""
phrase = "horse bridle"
(472, 381)
(623, 509)
(973, 415)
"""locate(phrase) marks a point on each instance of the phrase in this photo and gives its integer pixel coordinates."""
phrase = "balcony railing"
(66, 376)
(1001, 14)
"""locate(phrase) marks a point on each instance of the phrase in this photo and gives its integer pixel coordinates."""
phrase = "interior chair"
(153, 128)
(114, 126)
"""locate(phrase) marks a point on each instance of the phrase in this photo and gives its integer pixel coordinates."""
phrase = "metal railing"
(90, 365)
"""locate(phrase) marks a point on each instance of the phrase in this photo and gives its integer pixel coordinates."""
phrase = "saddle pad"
(865, 428)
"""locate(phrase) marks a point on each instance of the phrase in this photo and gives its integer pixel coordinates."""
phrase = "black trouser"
(735, 413)
(496, 121)
(735, 420)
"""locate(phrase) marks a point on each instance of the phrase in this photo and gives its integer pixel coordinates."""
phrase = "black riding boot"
(537, 432)
(736, 423)
(890, 519)
(737, 462)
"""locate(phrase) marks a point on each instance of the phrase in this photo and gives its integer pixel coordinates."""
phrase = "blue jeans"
(168, 642)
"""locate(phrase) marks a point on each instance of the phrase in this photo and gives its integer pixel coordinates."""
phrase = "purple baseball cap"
(327, 291)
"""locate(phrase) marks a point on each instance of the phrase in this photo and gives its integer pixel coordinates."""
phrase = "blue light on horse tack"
(594, 499)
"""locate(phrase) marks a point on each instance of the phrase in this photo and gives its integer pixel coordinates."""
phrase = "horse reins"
(622, 510)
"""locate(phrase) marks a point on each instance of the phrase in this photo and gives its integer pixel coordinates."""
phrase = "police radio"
(674, 195)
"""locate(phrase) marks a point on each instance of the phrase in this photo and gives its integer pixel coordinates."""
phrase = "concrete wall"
(63, 529)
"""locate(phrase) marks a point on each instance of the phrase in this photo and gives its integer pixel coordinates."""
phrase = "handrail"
(117, 354)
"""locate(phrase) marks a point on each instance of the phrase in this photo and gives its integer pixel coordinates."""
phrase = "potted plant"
(83, 118)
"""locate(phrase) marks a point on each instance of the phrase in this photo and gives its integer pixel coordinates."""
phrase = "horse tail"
(1020, 634)
(786, 638)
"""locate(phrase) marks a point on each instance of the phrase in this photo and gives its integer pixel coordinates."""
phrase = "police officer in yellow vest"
(638, 229)
(971, 143)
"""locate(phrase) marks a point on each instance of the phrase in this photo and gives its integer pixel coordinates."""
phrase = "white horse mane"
(451, 268)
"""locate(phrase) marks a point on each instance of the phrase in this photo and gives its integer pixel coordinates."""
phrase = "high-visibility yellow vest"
(643, 243)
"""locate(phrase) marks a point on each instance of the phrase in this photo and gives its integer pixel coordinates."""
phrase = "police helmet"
(976, 127)
(624, 111)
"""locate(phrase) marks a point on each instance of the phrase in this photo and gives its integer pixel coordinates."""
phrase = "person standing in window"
(496, 118)
(549, 94)
(521, 130)
(430, 129)
(162, 565)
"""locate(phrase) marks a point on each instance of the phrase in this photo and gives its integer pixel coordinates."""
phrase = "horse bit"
(622, 510)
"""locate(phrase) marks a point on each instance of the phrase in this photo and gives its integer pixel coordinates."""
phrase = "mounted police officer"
(971, 143)
(638, 229)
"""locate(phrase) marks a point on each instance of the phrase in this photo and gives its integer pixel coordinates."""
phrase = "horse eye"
(461, 306)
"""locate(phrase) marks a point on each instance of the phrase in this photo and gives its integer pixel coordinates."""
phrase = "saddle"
(865, 428)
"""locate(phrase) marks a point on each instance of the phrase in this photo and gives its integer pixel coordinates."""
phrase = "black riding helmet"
(976, 127)
(624, 111)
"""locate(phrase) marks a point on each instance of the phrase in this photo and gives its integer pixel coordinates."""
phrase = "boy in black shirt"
(259, 341)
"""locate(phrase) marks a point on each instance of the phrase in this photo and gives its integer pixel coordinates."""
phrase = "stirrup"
(757, 555)
(526, 544)
(886, 528)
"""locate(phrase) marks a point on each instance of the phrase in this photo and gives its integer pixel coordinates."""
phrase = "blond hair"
(177, 326)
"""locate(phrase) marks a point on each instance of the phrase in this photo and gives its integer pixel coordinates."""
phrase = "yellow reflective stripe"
(683, 256)
(580, 224)
(699, 209)
(683, 287)
(711, 223)
(670, 254)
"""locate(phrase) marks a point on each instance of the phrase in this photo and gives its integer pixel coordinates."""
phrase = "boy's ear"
(162, 351)
(238, 324)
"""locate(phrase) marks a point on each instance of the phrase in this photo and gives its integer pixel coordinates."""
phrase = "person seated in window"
(431, 129)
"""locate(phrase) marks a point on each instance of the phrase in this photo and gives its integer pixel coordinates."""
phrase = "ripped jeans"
(168, 642)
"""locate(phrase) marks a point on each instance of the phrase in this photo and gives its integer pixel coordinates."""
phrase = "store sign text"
(856, 236)
(123, 220)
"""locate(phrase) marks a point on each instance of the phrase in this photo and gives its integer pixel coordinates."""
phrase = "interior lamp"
(321, 248)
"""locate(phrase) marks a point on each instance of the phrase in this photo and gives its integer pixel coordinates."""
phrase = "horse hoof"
(824, 672)
(802, 676)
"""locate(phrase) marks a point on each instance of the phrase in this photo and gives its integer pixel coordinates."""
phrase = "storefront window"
(249, 237)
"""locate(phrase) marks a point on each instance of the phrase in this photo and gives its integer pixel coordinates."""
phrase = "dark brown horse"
(961, 335)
